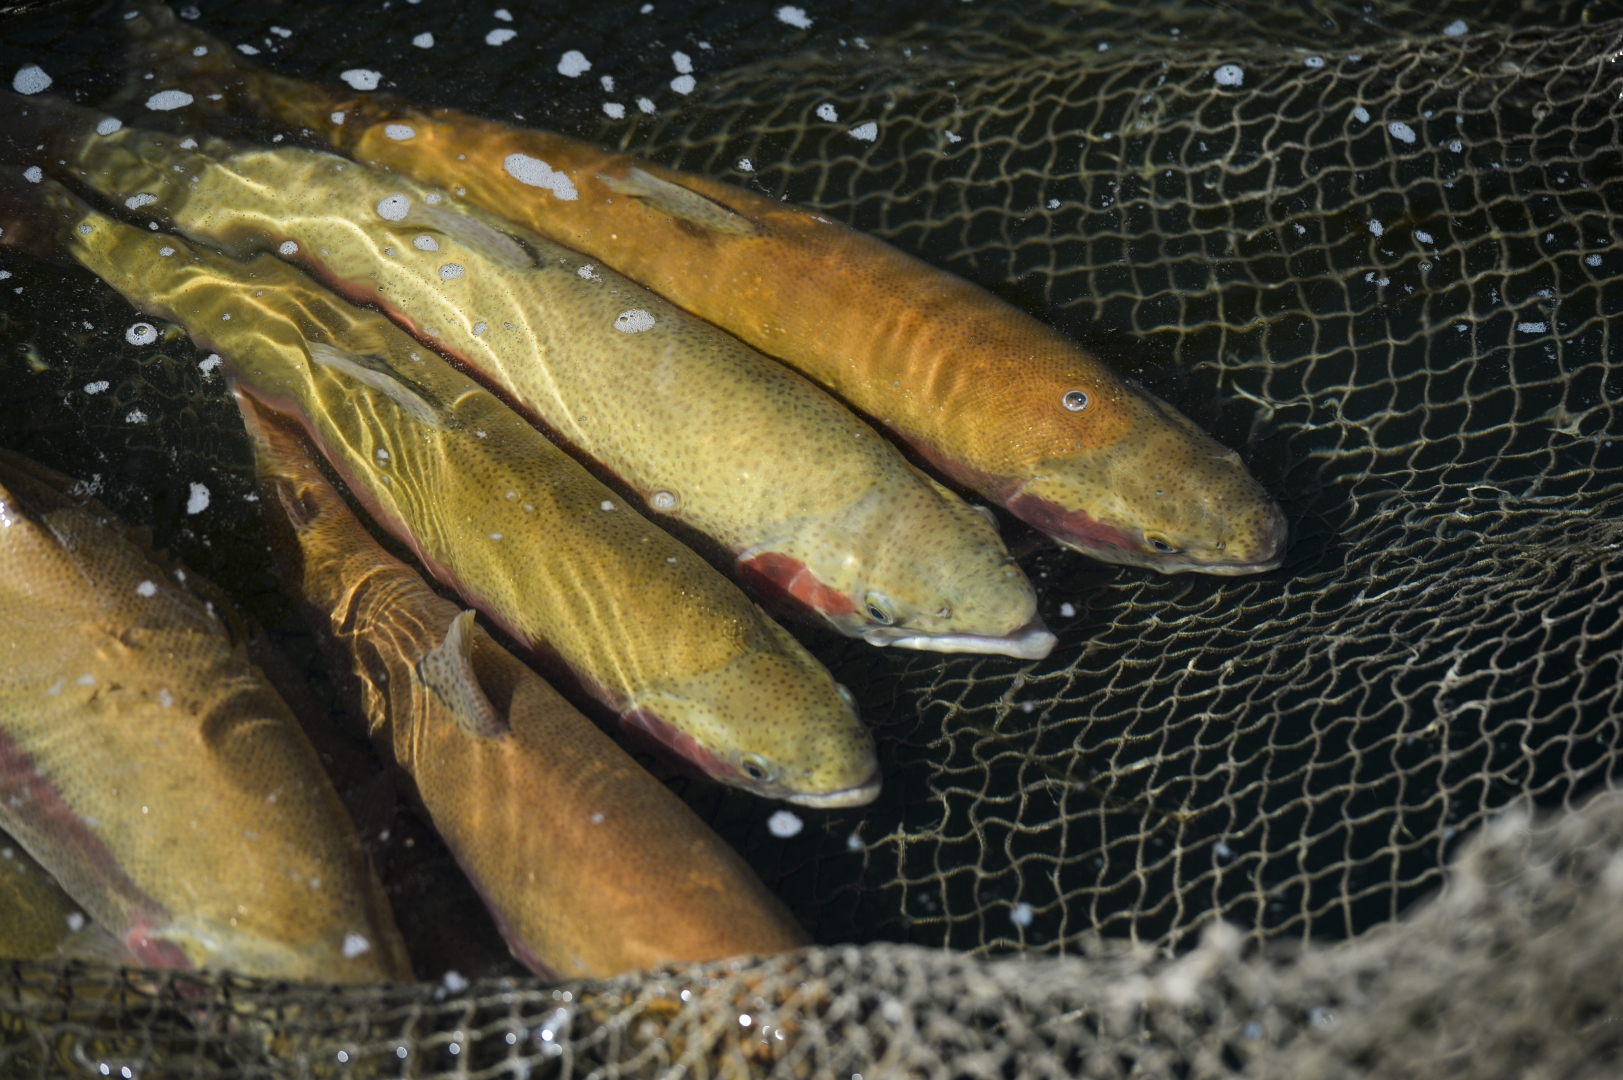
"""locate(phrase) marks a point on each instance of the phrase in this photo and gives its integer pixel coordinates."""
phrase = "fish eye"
(878, 608)
(1161, 544)
(757, 768)
(1075, 400)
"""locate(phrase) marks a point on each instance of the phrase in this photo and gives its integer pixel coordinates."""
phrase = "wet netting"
(1372, 246)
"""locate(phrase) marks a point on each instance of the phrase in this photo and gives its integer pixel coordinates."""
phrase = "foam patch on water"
(141, 333)
(795, 17)
(198, 501)
(502, 35)
(451, 271)
(109, 125)
(362, 78)
(825, 111)
(135, 202)
(683, 84)
(288, 247)
(784, 824)
(634, 321)
(683, 62)
(1229, 75)
(572, 64)
(30, 79)
(169, 100)
(534, 172)
(866, 132)
(614, 110)
(423, 41)
(394, 207)
(33, 174)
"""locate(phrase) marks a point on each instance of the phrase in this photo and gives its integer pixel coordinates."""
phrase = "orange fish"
(993, 398)
(590, 866)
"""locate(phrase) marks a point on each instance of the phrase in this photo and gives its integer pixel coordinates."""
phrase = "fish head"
(911, 565)
(772, 721)
(1162, 494)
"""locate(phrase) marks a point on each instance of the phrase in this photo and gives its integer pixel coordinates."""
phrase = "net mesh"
(1380, 262)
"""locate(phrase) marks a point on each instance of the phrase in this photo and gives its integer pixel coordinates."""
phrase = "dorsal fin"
(682, 204)
(448, 673)
(377, 374)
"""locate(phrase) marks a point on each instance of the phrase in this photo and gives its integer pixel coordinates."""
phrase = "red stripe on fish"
(775, 573)
(1073, 527)
(644, 723)
(31, 806)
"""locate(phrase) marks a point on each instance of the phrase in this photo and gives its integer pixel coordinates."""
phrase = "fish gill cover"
(1379, 259)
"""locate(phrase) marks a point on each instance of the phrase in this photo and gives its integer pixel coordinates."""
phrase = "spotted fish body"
(814, 504)
(513, 523)
(993, 398)
(154, 772)
(591, 866)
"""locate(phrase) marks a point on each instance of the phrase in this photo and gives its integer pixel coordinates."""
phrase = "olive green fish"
(154, 772)
(513, 523)
(815, 506)
(590, 865)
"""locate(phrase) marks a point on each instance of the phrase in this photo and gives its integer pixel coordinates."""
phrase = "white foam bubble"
(683, 62)
(588, 273)
(135, 202)
(400, 132)
(1422, 236)
(198, 501)
(502, 35)
(288, 247)
(634, 321)
(166, 251)
(209, 363)
(423, 41)
(96, 387)
(1021, 915)
(614, 110)
(362, 78)
(1592, 260)
(76, 922)
(355, 945)
(1532, 327)
(683, 84)
(795, 17)
(169, 100)
(1314, 61)
(784, 824)
(141, 333)
(573, 63)
(1229, 75)
(1360, 114)
(30, 79)
(607, 82)
(201, 50)
(188, 143)
(33, 174)
(108, 125)
(394, 207)
(1067, 611)
(503, 14)
(1376, 227)
(147, 588)
(1456, 28)
(451, 271)
(866, 132)
(1401, 131)
(605, 505)
(537, 173)
(825, 111)
(645, 104)
(455, 983)
(480, 328)
(746, 165)
(337, 118)
(247, 50)
(425, 243)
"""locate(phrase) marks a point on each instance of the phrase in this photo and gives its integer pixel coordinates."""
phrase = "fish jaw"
(1034, 641)
(772, 722)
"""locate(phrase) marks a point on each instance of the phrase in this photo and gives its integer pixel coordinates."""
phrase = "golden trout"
(995, 399)
(38, 919)
(590, 866)
(815, 506)
(151, 768)
(513, 523)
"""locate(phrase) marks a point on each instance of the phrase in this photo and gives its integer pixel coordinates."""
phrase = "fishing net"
(1372, 249)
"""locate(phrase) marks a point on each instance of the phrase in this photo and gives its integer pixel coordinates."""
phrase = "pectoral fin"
(476, 234)
(682, 204)
(448, 673)
(379, 376)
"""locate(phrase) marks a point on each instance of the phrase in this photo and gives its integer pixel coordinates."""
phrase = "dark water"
(1298, 750)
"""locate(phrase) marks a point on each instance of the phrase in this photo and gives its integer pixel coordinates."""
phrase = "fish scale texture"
(1298, 753)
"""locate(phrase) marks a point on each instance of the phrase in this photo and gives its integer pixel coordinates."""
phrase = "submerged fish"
(509, 520)
(155, 773)
(816, 506)
(38, 919)
(993, 398)
(591, 866)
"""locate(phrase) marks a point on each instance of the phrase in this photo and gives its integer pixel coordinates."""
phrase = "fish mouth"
(860, 795)
(1032, 641)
